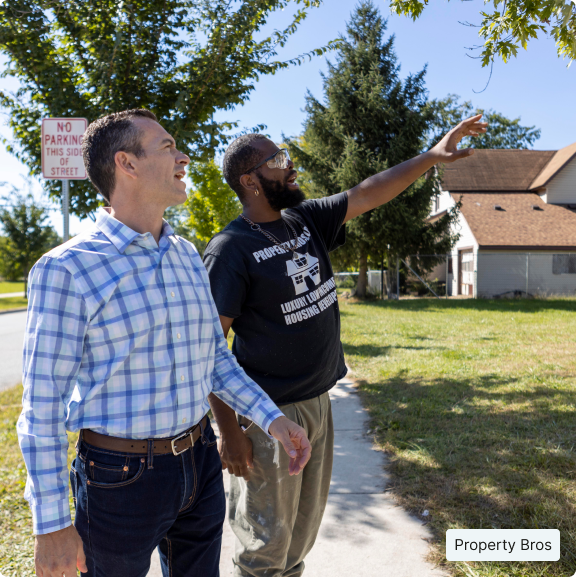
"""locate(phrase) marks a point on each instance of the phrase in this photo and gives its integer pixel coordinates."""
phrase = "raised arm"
(384, 186)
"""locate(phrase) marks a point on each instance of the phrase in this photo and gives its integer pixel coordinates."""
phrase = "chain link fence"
(381, 283)
(506, 274)
(525, 274)
(469, 274)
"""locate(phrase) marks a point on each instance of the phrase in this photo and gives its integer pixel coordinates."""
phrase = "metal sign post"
(62, 157)
(65, 205)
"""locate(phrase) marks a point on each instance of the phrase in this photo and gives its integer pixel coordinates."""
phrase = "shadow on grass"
(497, 305)
(378, 351)
(485, 452)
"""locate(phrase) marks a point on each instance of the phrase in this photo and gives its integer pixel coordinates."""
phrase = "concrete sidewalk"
(10, 295)
(363, 532)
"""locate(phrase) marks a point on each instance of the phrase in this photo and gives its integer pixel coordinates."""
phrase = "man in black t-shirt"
(272, 282)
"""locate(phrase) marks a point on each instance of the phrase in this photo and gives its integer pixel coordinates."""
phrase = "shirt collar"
(120, 235)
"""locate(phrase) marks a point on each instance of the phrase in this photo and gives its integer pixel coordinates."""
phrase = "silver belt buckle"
(182, 436)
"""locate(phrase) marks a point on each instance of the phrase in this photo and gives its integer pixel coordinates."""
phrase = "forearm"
(232, 386)
(224, 415)
(384, 186)
(238, 391)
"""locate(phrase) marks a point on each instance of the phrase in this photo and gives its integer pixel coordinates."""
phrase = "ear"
(249, 183)
(125, 162)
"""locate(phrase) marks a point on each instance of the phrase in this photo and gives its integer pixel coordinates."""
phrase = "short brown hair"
(104, 138)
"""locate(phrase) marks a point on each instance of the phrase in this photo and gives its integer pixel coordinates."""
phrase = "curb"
(8, 312)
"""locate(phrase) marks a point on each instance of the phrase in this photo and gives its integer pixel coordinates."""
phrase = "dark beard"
(279, 195)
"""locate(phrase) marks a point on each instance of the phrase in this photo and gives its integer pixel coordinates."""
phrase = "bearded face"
(281, 194)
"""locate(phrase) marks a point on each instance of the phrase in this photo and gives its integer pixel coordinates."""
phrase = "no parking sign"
(62, 148)
(62, 155)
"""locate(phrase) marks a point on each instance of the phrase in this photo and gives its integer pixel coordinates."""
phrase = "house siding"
(500, 272)
(467, 240)
(562, 188)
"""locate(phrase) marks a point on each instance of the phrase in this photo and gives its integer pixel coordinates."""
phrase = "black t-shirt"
(285, 310)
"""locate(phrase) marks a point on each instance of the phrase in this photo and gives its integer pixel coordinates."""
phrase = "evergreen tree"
(369, 120)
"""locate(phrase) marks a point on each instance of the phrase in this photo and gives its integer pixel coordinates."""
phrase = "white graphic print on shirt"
(298, 269)
(303, 266)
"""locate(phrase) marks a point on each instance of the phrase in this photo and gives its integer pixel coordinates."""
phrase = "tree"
(503, 132)
(182, 59)
(513, 23)
(27, 235)
(212, 203)
(369, 121)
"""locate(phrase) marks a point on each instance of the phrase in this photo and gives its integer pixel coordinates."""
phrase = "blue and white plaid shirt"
(123, 338)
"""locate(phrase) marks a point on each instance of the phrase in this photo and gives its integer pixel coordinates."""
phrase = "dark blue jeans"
(126, 505)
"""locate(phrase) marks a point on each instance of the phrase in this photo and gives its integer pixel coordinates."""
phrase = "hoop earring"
(256, 192)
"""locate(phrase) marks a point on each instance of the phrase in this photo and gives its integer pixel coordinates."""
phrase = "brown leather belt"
(174, 445)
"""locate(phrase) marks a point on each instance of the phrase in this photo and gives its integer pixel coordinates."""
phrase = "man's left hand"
(447, 149)
(295, 442)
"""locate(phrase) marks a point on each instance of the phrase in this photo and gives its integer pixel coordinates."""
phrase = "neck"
(261, 213)
(141, 218)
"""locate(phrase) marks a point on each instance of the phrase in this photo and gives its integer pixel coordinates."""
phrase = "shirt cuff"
(50, 517)
(264, 414)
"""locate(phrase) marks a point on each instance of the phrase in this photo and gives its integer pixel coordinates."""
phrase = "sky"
(537, 86)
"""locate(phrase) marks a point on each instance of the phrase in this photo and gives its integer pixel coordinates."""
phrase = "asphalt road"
(11, 340)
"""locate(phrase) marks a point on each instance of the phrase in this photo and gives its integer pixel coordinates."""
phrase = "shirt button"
(184, 420)
(179, 335)
(181, 377)
(172, 294)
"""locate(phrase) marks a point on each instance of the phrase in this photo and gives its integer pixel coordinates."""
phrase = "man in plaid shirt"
(123, 343)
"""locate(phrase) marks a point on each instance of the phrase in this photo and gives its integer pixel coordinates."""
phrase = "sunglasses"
(280, 159)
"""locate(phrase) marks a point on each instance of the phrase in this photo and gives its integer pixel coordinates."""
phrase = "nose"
(290, 164)
(182, 159)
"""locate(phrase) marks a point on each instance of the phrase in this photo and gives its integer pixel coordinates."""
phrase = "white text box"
(503, 544)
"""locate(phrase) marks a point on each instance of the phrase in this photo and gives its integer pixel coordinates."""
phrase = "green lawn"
(13, 303)
(475, 404)
(11, 287)
(16, 540)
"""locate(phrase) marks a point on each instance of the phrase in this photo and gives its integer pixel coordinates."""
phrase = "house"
(303, 266)
(517, 222)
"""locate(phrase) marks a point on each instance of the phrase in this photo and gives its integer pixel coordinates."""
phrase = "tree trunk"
(362, 276)
(25, 282)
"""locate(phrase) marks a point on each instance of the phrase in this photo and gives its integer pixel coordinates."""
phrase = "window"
(467, 262)
(564, 264)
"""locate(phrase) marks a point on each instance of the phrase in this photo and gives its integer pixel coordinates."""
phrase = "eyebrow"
(169, 141)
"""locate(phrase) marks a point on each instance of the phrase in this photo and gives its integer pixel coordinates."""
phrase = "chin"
(178, 197)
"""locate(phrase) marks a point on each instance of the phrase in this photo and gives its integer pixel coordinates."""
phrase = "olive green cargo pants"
(276, 516)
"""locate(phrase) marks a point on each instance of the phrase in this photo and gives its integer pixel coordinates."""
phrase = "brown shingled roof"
(518, 225)
(496, 170)
(556, 164)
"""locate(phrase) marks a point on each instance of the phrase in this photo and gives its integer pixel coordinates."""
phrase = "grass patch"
(11, 287)
(16, 539)
(475, 403)
(13, 303)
